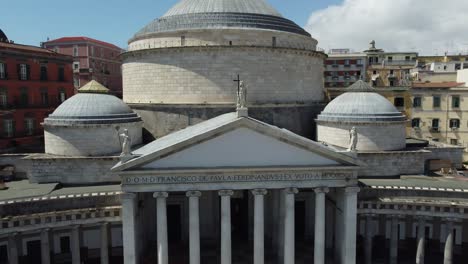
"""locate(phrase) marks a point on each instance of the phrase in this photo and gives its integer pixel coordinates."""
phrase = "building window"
(436, 101)
(435, 123)
(76, 66)
(390, 58)
(455, 101)
(43, 73)
(3, 72)
(407, 58)
(75, 51)
(76, 82)
(24, 97)
(454, 123)
(8, 127)
(92, 51)
(61, 74)
(392, 83)
(23, 72)
(62, 96)
(417, 101)
(182, 40)
(3, 98)
(399, 101)
(416, 122)
(44, 97)
(392, 72)
(29, 126)
(454, 141)
(273, 41)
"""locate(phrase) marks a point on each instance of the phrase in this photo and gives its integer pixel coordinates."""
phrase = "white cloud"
(426, 26)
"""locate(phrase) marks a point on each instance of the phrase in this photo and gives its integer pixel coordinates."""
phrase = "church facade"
(211, 158)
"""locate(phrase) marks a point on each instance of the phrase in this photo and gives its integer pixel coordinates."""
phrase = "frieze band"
(151, 179)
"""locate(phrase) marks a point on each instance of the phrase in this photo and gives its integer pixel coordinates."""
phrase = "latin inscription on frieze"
(266, 177)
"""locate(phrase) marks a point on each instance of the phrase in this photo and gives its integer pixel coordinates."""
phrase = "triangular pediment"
(231, 142)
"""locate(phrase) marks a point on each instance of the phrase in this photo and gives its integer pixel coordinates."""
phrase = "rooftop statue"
(353, 139)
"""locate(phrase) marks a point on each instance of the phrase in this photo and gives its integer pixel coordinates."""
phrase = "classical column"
(104, 243)
(75, 245)
(13, 248)
(448, 250)
(368, 240)
(128, 227)
(289, 246)
(319, 244)
(421, 235)
(194, 226)
(394, 240)
(259, 226)
(350, 225)
(161, 217)
(226, 257)
(45, 246)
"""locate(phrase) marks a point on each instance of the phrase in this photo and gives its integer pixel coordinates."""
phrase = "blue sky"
(115, 21)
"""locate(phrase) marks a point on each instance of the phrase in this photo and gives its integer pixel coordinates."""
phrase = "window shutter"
(28, 72)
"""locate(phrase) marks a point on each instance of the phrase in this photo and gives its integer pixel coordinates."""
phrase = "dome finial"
(93, 87)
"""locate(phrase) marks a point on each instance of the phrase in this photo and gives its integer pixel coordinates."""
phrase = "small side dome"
(379, 124)
(89, 124)
(92, 105)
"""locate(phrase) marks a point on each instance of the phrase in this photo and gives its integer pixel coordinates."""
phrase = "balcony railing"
(21, 133)
(17, 104)
(395, 62)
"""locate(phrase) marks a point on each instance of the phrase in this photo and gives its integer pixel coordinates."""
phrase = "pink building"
(92, 60)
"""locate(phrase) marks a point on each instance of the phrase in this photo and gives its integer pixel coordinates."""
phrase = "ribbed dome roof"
(92, 106)
(222, 6)
(360, 106)
(203, 14)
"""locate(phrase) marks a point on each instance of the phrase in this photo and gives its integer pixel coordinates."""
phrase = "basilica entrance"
(240, 217)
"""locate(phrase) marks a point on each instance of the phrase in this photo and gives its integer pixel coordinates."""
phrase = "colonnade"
(348, 245)
(420, 239)
(45, 242)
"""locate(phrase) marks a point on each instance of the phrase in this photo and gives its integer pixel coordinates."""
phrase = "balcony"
(22, 134)
(434, 129)
(17, 104)
(335, 66)
(395, 63)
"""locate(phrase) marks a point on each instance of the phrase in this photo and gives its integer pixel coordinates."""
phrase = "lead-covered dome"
(203, 14)
(92, 105)
(380, 126)
(361, 103)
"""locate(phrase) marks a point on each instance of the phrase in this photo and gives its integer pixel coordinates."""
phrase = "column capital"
(128, 196)
(193, 194)
(291, 191)
(321, 190)
(226, 193)
(352, 190)
(160, 195)
(259, 192)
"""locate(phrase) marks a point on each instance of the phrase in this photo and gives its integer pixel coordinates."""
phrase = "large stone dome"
(89, 124)
(380, 126)
(202, 14)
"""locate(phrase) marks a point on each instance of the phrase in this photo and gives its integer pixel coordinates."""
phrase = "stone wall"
(452, 153)
(45, 168)
(160, 120)
(371, 136)
(88, 140)
(17, 160)
(204, 75)
(223, 37)
(393, 163)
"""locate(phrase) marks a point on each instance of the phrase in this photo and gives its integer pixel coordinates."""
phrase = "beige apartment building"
(440, 111)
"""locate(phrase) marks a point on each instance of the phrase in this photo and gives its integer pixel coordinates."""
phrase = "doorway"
(34, 251)
(174, 223)
(240, 216)
(299, 220)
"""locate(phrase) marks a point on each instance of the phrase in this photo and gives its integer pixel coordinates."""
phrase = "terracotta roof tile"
(6, 46)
